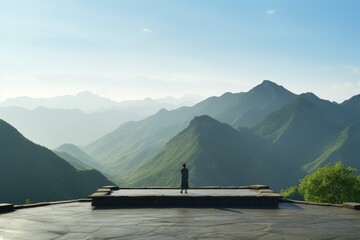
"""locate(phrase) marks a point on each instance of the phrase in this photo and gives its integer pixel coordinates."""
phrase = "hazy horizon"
(186, 95)
(127, 50)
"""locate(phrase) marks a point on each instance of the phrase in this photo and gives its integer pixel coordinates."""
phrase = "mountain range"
(30, 171)
(79, 119)
(88, 102)
(280, 137)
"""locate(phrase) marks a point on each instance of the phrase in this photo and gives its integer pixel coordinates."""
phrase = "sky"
(132, 49)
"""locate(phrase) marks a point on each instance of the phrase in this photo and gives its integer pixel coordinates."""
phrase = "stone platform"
(78, 221)
(256, 196)
(6, 207)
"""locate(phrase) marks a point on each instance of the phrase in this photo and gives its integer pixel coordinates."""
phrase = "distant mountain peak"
(203, 123)
(268, 86)
(309, 96)
(268, 83)
(202, 119)
(67, 146)
(86, 93)
(163, 111)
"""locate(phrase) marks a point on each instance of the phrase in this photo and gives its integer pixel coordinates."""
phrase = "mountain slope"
(297, 125)
(300, 132)
(343, 147)
(31, 171)
(215, 153)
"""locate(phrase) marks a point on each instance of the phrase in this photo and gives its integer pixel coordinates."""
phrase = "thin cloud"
(353, 69)
(270, 12)
(147, 30)
(324, 67)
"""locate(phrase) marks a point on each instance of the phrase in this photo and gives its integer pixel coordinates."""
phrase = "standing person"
(184, 179)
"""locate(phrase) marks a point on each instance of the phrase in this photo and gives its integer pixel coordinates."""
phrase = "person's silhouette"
(184, 179)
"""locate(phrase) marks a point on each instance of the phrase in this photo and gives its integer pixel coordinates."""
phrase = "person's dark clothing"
(184, 178)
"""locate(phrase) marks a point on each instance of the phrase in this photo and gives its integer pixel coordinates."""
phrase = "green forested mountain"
(299, 125)
(31, 171)
(289, 143)
(216, 153)
(133, 142)
(309, 133)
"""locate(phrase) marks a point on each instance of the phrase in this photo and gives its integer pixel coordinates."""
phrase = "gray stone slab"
(6, 207)
(352, 205)
(85, 200)
(112, 187)
(259, 186)
(271, 194)
(266, 191)
(103, 190)
(96, 194)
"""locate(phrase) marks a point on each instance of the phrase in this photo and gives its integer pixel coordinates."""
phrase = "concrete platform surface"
(79, 221)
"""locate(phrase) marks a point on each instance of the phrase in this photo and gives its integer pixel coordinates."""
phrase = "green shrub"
(331, 184)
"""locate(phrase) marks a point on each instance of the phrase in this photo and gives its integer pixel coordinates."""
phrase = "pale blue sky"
(135, 49)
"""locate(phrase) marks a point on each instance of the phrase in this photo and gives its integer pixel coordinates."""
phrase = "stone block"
(111, 187)
(352, 205)
(103, 190)
(96, 194)
(6, 207)
(266, 191)
(258, 187)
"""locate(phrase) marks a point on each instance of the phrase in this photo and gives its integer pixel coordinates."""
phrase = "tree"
(331, 184)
